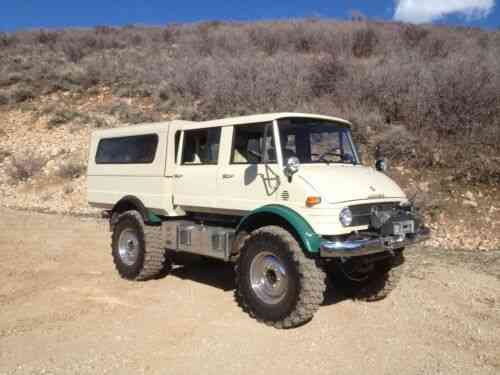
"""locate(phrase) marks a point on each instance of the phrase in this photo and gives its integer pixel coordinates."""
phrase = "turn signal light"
(313, 201)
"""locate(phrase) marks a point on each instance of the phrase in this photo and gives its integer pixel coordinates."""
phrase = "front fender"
(309, 239)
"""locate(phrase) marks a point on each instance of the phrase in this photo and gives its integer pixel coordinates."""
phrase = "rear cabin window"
(137, 149)
(201, 146)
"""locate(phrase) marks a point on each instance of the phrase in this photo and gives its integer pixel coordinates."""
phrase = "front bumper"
(355, 248)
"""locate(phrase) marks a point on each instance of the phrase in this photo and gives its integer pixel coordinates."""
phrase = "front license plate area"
(403, 227)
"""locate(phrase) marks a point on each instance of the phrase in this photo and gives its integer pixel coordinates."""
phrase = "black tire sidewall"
(374, 283)
(262, 310)
(128, 221)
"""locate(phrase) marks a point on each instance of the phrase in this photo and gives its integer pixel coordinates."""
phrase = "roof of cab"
(266, 118)
(253, 119)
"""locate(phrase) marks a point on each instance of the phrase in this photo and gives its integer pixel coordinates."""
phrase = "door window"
(251, 144)
(201, 146)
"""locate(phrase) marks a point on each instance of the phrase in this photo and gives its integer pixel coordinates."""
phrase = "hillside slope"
(428, 98)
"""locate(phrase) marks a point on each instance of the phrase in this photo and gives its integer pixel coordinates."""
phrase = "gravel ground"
(63, 309)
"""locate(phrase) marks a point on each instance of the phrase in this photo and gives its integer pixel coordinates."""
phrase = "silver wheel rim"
(268, 278)
(128, 247)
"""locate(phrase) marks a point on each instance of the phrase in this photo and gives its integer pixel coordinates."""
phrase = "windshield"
(316, 141)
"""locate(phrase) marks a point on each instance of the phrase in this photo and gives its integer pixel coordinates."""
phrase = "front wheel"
(368, 281)
(275, 282)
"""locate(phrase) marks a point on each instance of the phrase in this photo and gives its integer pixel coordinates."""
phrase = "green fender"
(153, 219)
(309, 238)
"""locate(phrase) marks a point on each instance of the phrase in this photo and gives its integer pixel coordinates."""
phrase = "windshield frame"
(315, 121)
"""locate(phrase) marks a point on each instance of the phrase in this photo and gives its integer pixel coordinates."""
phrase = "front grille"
(361, 213)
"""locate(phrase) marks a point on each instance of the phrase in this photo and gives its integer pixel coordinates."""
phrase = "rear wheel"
(365, 280)
(137, 249)
(276, 283)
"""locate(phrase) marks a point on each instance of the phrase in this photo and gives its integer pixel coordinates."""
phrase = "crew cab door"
(195, 176)
(249, 176)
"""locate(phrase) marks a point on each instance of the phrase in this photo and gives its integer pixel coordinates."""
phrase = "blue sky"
(28, 14)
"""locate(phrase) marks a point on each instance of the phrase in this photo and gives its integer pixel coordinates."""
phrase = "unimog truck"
(283, 196)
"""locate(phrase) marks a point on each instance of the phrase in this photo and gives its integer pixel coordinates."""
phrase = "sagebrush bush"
(413, 35)
(364, 42)
(4, 154)
(71, 169)
(131, 115)
(434, 83)
(24, 167)
(7, 40)
(62, 117)
(4, 98)
(19, 94)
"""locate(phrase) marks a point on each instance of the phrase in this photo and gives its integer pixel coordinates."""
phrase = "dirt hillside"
(44, 151)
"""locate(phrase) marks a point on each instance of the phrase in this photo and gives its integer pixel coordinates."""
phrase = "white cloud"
(420, 11)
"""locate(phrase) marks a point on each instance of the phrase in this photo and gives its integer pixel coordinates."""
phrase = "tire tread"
(155, 261)
(312, 281)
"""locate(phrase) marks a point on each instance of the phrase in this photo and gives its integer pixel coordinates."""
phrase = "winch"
(394, 222)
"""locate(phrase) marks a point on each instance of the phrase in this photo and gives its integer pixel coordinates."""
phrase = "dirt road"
(63, 309)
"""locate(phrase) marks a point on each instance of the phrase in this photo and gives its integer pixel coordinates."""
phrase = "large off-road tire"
(138, 250)
(374, 285)
(276, 283)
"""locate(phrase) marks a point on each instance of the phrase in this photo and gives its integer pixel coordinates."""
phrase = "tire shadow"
(212, 272)
(334, 295)
(220, 275)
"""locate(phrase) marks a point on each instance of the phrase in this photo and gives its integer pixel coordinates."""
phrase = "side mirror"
(292, 166)
(381, 165)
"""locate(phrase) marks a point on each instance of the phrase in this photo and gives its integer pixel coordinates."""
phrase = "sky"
(30, 14)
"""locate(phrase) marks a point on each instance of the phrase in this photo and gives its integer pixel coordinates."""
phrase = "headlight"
(345, 217)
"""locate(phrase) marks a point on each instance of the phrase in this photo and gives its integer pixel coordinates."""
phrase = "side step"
(189, 237)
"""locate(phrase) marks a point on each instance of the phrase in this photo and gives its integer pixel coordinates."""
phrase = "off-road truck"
(283, 196)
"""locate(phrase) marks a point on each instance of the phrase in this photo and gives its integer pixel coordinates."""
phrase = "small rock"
(469, 195)
(424, 186)
(470, 203)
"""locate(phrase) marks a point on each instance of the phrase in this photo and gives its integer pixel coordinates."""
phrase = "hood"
(343, 183)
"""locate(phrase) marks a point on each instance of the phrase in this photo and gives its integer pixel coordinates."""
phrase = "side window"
(201, 146)
(250, 143)
(137, 149)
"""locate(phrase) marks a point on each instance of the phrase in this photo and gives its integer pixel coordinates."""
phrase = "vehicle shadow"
(212, 272)
(220, 275)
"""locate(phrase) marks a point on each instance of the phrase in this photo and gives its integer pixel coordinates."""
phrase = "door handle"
(177, 175)
(227, 175)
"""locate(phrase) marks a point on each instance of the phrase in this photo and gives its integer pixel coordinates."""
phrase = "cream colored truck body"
(282, 195)
(168, 188)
